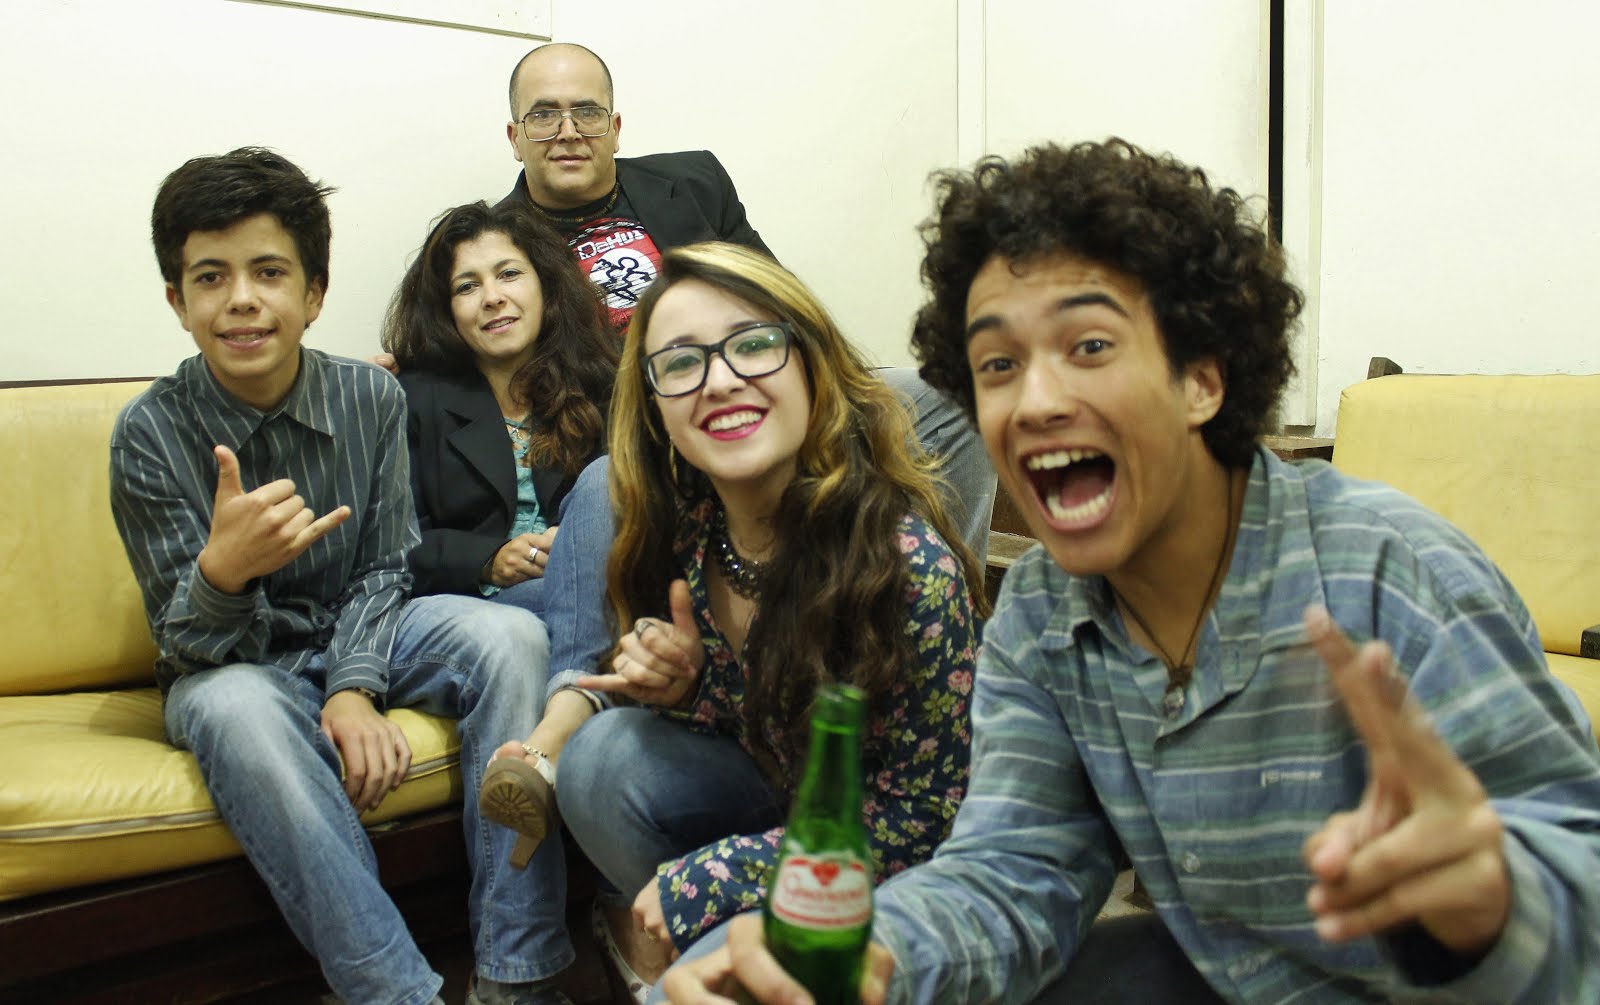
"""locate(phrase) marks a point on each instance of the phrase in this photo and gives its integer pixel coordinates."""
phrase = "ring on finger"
(533, 554)
(639, 628)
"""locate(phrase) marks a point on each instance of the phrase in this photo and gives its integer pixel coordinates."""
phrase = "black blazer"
(464, 479)
(681, 198)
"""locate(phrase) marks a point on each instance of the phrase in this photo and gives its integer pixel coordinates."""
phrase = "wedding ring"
(639, 627)
(533, 554)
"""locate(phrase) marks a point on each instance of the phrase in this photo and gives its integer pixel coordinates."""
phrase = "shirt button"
(1172, 702)
(1191, 862)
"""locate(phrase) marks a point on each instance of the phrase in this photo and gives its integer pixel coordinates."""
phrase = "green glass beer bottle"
(818, 914)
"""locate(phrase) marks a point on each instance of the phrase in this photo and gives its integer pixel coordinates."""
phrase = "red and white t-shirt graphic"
(619, 257)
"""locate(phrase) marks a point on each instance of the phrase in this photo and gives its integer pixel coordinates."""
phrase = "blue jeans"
(638, 790)
(570, 598)
(1128, 960)
(950, 437)
(256, 732)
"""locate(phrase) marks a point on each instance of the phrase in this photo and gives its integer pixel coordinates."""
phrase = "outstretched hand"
(258, 532)
(743, 964)
(1424, 845)
(658, 661)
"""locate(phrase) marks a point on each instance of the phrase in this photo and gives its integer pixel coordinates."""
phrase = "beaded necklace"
(744, 575)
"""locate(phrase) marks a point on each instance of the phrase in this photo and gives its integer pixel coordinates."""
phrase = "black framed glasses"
(542, 124)
(752, 351)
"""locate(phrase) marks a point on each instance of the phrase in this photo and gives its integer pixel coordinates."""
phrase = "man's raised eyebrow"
(1095, 299)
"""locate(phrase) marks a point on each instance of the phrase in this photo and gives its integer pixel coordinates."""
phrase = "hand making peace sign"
(1424, 845)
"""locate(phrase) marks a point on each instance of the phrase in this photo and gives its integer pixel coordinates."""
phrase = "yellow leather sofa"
(1511, 460)
(90, 791)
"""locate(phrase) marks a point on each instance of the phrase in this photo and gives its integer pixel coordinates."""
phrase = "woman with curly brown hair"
(774, 531)
(507, 360)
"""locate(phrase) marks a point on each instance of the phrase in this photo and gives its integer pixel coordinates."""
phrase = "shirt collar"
(229, 421)
(1259, 606)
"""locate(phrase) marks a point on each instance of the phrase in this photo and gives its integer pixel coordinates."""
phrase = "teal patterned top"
(914, 754)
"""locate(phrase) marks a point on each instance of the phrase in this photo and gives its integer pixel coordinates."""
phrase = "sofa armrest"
(1589, 648)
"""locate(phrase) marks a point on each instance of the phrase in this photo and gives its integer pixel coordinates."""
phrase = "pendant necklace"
(1178, 671)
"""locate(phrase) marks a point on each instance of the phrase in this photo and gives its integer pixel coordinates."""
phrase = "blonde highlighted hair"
(833, 606)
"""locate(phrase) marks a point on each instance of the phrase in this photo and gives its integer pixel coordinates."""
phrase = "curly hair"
(567, 382)
(214, 193)
(1214, 277)
(833, 605)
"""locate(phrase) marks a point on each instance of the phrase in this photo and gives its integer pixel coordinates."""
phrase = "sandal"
(521, 795)
(625, 984)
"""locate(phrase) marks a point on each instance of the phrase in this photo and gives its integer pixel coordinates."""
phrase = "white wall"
(1173, 77)
(1460, 201)
(104, 98)
(829, 122)
(1457, 219)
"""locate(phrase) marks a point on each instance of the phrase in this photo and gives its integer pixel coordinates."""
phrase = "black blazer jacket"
(681, 198)
(464, 479)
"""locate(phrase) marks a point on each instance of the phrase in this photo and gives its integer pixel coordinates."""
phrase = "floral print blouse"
(914, 754)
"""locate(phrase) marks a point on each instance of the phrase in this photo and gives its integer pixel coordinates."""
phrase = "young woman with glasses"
(774, 532)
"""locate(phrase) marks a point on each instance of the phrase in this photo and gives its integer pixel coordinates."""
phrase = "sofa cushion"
(75, 619)
(93, 792)
(1583, 676)
(1514, 461)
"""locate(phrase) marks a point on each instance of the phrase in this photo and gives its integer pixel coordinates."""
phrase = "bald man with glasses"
(620, 214)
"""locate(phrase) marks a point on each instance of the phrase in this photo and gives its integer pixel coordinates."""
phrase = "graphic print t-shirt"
(619, 257)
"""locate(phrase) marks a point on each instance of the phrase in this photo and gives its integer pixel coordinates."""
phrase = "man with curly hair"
(1313, 714)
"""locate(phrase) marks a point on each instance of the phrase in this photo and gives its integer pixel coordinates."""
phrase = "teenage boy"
(1316, 717)
(262, 494)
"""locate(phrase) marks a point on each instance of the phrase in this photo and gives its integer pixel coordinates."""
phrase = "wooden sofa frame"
(211, 932)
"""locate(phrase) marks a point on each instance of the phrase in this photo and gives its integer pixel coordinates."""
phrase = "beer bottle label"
(823, 892)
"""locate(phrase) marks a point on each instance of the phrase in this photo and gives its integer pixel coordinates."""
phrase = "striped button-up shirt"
(339, 435)
(1213, 795)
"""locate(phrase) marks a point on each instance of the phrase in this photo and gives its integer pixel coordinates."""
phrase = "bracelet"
(589, 696)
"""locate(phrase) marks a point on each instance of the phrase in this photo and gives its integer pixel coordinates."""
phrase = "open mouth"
(499, 323)
(242, 338)
(1073, 485)
(733, 423)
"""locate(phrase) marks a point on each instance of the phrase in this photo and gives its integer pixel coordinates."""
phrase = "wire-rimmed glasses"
(544, 124)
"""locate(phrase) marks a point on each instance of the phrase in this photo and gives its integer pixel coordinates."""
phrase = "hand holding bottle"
(744, 971)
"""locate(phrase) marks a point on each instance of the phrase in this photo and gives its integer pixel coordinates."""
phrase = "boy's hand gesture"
(259, 532)
(659, 661)
(1424, 845)
(374, 750)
